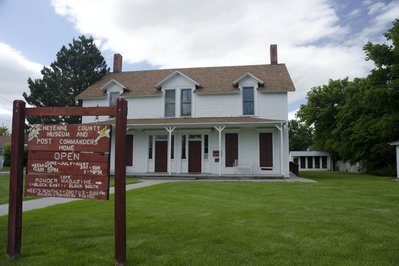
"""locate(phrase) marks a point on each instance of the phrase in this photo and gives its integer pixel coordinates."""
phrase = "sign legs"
(16, 180)
(120, 182)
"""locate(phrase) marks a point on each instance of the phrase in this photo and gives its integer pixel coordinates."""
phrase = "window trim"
(117, 93)
(182, 102)
(166, 103)
(248, 101)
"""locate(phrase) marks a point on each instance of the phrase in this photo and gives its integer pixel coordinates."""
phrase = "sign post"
(67, 163)
(16, 173)
(120, 183)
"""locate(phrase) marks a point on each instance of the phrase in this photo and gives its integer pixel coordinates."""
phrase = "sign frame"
(20, 112)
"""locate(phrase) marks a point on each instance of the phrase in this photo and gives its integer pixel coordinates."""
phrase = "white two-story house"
(209, 120)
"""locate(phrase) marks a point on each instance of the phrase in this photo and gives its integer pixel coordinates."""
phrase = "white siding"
(95, 103)
(145, 107)
(217, 105)
(273, 105)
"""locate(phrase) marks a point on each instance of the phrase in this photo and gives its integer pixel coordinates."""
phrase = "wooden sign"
(69, 161)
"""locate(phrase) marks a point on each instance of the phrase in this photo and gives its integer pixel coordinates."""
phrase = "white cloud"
(291, 115)
(188, 33)
(15, 71)
(375, 8)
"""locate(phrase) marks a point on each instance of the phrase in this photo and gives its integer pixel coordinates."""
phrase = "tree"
(321, 111)
(77, 66)
(355, 120)
(4, 131)
(300, 136)
(370, 118)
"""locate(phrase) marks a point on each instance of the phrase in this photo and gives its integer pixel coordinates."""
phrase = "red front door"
(194, 156)
(266, 150)
(161, 156)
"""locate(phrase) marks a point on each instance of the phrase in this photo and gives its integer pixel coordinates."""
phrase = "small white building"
(209, 120)
(311, 160)
(396, 143)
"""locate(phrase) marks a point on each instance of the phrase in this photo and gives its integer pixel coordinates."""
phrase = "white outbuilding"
(311, 160)
(396, 143)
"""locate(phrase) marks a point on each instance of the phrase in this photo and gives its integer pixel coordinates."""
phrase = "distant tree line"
(355, 120)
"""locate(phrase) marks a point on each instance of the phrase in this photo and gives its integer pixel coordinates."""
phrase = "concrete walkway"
(46, 202)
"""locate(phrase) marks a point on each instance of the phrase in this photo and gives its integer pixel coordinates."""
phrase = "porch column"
(170, 131)
(280, 128)
(220, 129)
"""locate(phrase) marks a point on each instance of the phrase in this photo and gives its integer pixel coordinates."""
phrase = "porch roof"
(196, 122)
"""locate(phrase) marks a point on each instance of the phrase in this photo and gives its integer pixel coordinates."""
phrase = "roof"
(309, 153)
(197, 121)
(394, 143)
(213, 80)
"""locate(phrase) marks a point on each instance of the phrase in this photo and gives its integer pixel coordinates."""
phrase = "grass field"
(343, 219)
(4, 187)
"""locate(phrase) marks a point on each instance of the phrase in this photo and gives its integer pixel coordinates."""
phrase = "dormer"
(177, 78)
(177, 89)
(248, 84)
(113, 89)
(248, 78)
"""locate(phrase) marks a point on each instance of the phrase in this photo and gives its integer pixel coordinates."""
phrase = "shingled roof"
(212, 80)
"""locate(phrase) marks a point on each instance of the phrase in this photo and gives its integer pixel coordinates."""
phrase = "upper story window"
(113, 96)
(248, 100)
(170, 102)
(185, 102)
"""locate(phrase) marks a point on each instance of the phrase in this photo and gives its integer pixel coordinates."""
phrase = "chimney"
(273, 54)
(117, 63)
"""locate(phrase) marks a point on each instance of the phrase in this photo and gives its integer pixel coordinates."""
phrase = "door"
(129, 150)
(266, 150)
(231, 147)
(161, 156)
(194, 157)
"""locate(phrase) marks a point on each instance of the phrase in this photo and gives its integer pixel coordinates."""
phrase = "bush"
(386, 171)
(7, 154)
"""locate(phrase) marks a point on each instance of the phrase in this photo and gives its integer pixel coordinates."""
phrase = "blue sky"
(317, 39)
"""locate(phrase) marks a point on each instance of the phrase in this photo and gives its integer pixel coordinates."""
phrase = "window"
(183, 147)
(248, 100)
(324, 162)
(113, 96)
(150, 147)
(206, 147)
(310, 162)
(170, 103)
(317, 162)
(186, 102)
(303, 162)
(172, 151)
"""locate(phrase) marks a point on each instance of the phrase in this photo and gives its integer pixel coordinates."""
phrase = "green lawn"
(4, 187)
(5, 169)
(341, 220)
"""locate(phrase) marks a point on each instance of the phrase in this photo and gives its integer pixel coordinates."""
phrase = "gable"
(248, 78)
(112, 86)
(177, 79)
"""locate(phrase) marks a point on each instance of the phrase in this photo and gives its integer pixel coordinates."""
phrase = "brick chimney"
(117, 63)
(273, 54)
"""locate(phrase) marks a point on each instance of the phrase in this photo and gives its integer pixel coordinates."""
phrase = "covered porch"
(207, 147)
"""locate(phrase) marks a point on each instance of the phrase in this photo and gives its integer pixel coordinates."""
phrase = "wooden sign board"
(69, 161)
